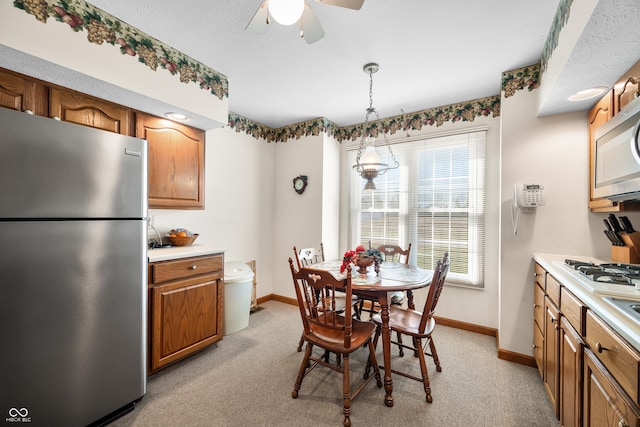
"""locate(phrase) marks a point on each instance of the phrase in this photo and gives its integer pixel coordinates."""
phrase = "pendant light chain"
(373, 165)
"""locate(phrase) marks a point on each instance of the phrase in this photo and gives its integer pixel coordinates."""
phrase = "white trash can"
(238, 281)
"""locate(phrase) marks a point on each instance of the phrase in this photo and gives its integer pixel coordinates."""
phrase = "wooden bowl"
(183, 241)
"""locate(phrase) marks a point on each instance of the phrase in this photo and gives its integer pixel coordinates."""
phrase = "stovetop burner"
(576, 264)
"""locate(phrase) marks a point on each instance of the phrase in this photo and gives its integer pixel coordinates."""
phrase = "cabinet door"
(598, 116)
(176, 163)
(186, 318)
(605, 404)
(551, 354)
(22, 94)
(538, 327)
(85, 110)
(627, 88)
(571, 349)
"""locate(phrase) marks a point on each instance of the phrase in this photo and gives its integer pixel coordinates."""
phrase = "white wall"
(553, 151)
(331, 178)
(297, 217)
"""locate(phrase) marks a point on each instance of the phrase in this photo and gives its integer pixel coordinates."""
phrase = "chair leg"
(374, 362)
(434, 354)
(374, 344)
(301, 371)
(423, 370)
(346, 393)
(401, 350)
(300, 343)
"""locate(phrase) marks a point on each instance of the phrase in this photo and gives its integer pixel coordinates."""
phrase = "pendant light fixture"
(369, 165)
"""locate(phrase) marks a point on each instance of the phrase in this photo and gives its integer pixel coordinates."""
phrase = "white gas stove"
(616, 279)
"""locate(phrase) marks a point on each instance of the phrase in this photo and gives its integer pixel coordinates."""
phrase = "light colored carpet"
(247, 379)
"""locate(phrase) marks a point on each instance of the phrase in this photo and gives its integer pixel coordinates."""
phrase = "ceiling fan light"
(286, 12)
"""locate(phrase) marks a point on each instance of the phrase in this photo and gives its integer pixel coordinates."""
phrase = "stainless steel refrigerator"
(73, 272)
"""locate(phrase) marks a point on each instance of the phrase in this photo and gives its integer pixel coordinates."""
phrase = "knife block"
(630, 252)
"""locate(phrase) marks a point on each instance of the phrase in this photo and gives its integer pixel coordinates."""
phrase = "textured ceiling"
(431, 53)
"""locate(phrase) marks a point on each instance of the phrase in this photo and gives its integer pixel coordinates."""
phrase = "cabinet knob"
(600, 349)
(535, 306)
(193, 267)
(621, 423)
(535, 274)
(28, 112)
(56, 118)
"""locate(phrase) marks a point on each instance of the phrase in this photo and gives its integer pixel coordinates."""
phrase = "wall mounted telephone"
(526, 197)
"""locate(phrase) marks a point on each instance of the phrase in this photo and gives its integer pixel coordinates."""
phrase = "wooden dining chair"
(307, 256)
(419, 326)
(327, 328)
(395, 253)
(390, 253)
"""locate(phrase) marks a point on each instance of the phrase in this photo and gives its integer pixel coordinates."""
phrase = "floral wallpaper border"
(102, 27)
(518, 79)
(559, 21)
(464, 111)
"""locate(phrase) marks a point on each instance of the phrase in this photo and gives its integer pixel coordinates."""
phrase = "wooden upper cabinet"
(85, 110)
(598, 116)
(176, 163)
(20, 93)
(627, 88)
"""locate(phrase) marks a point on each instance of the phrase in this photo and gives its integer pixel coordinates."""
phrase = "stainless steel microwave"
(616, 156)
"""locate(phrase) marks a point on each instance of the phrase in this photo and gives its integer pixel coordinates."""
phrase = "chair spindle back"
(435, 289)
(316, 292)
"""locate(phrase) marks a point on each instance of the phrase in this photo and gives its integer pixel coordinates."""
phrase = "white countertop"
(175, 252)
(624, 325)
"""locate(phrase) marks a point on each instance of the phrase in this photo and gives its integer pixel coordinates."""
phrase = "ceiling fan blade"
(349, 4)
(309, 25)
(260, 20)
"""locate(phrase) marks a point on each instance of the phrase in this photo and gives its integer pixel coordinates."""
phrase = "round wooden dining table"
(393, 276)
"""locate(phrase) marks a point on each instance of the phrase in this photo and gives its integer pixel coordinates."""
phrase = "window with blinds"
(435, 200)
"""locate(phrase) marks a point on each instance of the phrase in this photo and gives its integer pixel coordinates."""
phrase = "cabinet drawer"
(184, 268)
(573, 309)
(553, 290)
(538, 348)
(539, 274)
(616, 355)
(538, 306)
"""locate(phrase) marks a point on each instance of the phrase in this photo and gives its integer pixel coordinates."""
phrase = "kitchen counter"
(628, 328)
(176, 252)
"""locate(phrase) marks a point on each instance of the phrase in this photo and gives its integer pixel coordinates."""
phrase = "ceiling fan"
(288, 12)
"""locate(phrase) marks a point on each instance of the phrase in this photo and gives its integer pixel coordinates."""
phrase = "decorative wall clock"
(300, 183)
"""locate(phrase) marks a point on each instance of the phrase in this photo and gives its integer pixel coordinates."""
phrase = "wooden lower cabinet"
(551, 368)
(571, 349)
(185, 307)
(538, 327)
(605, 404)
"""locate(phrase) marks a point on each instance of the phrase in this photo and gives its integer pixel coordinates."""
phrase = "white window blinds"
(435, 200)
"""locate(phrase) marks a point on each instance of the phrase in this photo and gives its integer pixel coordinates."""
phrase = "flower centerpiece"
(362, 258)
